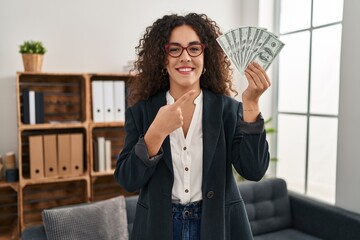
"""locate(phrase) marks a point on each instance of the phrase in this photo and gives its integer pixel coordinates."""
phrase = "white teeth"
(185, 69)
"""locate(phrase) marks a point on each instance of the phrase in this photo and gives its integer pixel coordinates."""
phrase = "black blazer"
(228, 141)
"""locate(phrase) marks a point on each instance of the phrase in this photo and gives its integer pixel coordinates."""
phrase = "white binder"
(101, 153)
(119, 100)
(32, 107)
(108, 155)
(97, 90)
(109, 101)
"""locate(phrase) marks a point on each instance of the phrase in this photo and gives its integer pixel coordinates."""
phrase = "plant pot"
(32, 62)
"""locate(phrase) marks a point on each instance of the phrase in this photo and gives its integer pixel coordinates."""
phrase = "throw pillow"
(104, 220)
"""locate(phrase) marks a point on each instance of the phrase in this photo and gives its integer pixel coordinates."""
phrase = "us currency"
(228, 51)
(259, 38)
(267, 51)
(243, 39)
(231, 42)
(236, 34)
(252, 31)
(247, 44)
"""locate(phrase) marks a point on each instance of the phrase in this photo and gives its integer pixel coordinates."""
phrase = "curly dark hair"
(150, 65)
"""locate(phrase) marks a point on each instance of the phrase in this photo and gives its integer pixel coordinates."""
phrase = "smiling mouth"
(185, 70)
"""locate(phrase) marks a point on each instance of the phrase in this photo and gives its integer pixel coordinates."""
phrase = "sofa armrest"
(323, 220)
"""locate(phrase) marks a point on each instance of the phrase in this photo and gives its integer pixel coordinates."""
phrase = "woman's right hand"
(168, 119)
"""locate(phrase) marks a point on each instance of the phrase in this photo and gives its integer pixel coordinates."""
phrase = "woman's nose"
(185, 57)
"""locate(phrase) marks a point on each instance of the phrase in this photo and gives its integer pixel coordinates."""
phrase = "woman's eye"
(195, 49)
(174, 49)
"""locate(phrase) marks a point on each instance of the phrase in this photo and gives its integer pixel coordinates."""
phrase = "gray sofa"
(274, 214)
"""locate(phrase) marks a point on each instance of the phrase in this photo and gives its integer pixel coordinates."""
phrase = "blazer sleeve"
(134, 167)
(250, 150)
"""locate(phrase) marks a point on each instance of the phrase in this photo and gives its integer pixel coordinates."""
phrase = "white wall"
(348, 158)
(83, 36)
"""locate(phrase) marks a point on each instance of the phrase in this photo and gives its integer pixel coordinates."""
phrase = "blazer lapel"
(155, 103)
(212, 115)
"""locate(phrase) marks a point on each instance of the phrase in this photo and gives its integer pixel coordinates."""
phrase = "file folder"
(101, 153)
(95, 156)
(77, 156)
(39, 107)
(119, 100)
(32, 110)
(108, 155)
(50, 156)
(36, 156)
(26, 106)
(97, 90)
(109, 114)
(64, 156)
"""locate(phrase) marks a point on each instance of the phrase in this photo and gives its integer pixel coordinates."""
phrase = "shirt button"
(186, 190)
(186, 169)
(184, 148)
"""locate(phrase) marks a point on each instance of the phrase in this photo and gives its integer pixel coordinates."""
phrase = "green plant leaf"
(270, 130)
(32, 47)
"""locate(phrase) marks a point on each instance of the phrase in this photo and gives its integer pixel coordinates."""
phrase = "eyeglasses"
(175, 50)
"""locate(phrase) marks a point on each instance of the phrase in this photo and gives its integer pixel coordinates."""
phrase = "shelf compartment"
(117, 137)
(38, 197)
(25, 152)
(64, 96)
(9, 213)
(115, 95)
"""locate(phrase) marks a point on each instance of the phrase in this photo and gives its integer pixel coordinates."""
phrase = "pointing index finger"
(184, 98)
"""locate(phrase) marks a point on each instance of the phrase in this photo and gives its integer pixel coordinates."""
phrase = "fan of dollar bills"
(250, 44)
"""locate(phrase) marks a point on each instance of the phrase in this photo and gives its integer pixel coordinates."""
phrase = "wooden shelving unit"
(67, 110)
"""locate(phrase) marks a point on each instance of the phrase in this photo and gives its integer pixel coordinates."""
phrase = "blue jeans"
(186, 221)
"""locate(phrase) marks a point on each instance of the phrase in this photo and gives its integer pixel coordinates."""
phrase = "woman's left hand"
(258, 83)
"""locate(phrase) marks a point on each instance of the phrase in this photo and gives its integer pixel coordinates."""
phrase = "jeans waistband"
(188, 211)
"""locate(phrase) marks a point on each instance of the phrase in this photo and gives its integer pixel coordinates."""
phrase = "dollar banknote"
(245, 45)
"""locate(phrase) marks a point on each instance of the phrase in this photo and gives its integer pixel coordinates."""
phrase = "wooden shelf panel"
(9, 213)
(59, 125)
(26, 182)
(45, 196)
(13, 185)
(106, 124)
(110, 76)
(102, 174)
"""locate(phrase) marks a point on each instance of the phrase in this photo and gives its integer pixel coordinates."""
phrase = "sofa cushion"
(286, 235)
(98, 220)
(267, 204)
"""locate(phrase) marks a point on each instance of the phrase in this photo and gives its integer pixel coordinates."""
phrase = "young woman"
(184, 134)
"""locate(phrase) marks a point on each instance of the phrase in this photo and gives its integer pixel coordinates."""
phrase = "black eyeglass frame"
(167, 46)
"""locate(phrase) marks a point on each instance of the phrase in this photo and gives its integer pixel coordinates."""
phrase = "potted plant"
(32, 55)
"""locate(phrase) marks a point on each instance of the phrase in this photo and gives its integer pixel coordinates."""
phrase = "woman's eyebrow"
(190, 43)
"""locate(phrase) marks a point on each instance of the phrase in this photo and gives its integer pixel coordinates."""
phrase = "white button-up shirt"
(187, 156)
